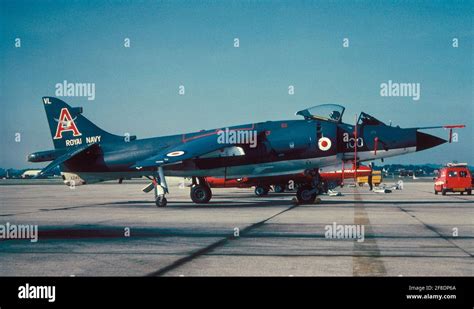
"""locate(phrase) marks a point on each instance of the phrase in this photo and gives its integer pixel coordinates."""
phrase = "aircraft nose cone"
(426, 141)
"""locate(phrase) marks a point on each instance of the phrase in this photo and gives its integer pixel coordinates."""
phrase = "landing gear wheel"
(279, 188)
(469, 192)
(261, 191)
(436, 192)
(201, 194)
(305, 196)
(161, 201)
(443, 192)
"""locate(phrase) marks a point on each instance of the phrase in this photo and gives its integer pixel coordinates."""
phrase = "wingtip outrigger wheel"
(159, 182)
(161, 201)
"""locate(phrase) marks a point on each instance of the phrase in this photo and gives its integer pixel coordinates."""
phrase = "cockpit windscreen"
(328, 112)
(366, 119)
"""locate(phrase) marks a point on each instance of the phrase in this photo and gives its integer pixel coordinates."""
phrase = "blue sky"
(187, 43)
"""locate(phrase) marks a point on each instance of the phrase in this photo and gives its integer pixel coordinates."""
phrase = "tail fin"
(69, 128)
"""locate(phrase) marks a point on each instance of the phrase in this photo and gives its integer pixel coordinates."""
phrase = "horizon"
(300, 44)
(470, 167)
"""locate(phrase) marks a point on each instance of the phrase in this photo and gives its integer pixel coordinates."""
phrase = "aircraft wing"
(186, 150)
(67, 156)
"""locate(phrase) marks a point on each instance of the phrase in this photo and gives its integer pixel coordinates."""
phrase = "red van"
(454, 178)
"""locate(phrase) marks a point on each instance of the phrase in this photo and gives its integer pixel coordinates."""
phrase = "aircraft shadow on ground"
(266, 202)
(84, 232)
(177, 204)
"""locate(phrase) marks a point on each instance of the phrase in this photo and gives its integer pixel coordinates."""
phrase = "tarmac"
(116, 230)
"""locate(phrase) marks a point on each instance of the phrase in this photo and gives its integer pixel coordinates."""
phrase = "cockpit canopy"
(366, 119)
(327, 112)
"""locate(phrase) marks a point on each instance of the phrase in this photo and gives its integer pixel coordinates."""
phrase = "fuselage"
(282, 148)
(272, 148)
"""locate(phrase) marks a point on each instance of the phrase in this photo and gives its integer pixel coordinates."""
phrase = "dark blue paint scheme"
(94, 150)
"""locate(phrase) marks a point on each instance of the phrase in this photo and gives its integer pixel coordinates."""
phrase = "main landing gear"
(308, 192)
(200, 191)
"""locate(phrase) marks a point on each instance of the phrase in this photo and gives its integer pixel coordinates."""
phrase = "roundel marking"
(324, 143)
(175, 153)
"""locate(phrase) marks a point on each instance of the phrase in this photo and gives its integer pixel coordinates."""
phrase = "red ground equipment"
(454, 178)
(279, 183)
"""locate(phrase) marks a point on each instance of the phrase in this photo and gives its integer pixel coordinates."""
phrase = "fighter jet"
(87, 154)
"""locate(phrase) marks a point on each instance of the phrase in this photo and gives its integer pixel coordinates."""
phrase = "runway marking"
(458, 196)
(368, 263)
(341, 255)
(213, 246)
(141, 253)
(433, 229)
